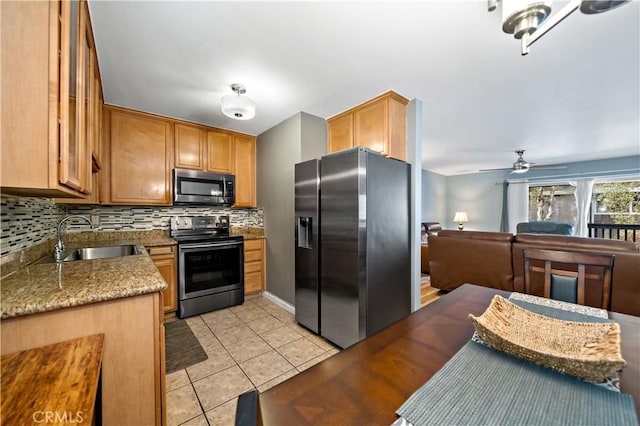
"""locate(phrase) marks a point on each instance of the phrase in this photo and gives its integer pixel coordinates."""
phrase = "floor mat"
(182, 347)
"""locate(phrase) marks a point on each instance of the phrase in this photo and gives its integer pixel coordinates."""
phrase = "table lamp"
(461, 218)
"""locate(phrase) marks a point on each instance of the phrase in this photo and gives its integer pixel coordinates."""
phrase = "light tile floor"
(252, 346)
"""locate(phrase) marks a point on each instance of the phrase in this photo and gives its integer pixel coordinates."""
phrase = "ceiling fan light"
(591, 7)
(237, 106)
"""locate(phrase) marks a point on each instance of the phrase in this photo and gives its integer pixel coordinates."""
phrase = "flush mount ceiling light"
(237, 106)
(527, 19)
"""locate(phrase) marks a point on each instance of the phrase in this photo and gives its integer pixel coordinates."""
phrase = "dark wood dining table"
(366, 383)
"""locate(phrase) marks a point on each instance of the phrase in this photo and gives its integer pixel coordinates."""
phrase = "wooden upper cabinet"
(190, 147)
(340, 130)
(140, 159)
(200, 148)
(379, 124)
(245, 171)
(220, 152)
(50, 153)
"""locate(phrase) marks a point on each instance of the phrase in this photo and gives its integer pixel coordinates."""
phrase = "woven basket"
(587, 350)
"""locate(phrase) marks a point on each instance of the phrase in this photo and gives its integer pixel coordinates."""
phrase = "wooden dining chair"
(566, 272)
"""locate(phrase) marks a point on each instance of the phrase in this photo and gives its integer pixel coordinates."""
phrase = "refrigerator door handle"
(305, 233)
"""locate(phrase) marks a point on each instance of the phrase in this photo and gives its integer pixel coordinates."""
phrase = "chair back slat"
(573, 265)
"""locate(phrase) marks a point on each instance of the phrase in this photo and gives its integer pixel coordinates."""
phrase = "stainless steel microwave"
(196, 187)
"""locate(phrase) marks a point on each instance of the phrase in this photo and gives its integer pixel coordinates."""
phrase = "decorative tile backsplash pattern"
(29, 221)
(132, 218)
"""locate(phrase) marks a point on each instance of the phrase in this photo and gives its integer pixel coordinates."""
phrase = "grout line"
(284, 324)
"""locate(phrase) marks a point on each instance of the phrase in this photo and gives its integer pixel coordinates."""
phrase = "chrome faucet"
(58, 251)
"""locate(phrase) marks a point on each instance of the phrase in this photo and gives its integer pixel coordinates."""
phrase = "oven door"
(210, 267)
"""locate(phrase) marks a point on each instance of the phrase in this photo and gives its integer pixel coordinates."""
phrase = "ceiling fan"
(523, 166)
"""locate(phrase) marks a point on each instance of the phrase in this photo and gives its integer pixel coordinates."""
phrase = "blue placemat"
(482, 386)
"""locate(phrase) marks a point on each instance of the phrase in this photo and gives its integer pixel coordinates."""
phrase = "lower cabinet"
(253, 266)
(164, 257)
(133, 369)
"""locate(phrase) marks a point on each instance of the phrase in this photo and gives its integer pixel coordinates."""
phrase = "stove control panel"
(199, 222)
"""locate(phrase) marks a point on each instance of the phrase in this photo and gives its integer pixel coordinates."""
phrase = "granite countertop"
(30, 288)
(249, 233)
(50, 286)
(44, 287)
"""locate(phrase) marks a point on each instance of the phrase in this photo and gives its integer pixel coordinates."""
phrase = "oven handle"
(209, 245)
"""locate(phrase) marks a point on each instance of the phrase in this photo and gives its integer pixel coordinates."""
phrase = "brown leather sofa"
(494, 259)
(428, 228)
(459, 257)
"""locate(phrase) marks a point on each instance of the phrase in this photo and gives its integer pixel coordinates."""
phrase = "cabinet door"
(141, 159)
(245, 171)
(190, 147)
(220, 152)
(75, 64)
(167, 266)
(340, 132)
(371, 126)
(253, 266)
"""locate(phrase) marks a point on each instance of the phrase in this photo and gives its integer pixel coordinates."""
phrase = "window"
(616, 203)
(555, 203)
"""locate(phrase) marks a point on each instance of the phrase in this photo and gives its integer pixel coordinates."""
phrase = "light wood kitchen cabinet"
(165, 259)
(133, 364)
(379, 124)
(220, 151)
(140, 158)
(47, 67)
(254, 271)
(205, 149)
(245, 171)
(96, 154)
(190, 147)
(340, 132)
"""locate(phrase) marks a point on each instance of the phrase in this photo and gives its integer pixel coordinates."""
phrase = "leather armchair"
(428, 228)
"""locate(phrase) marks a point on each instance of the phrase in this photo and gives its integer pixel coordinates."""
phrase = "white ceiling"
(575, 97)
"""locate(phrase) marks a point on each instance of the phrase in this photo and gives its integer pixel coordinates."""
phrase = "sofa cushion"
(459, 257)
(575, 242)
(478, 235)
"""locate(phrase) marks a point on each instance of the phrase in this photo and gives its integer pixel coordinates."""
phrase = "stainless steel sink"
(88, 253)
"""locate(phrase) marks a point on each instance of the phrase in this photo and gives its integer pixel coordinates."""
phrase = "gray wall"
(313, 137)
(298, 138)
(434, 197)
(480, 194)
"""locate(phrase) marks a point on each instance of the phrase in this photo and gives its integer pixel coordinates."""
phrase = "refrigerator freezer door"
(342, 271)
(365, 277)
(307, 250)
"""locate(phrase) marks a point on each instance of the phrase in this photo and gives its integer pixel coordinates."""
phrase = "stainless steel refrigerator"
(352, 248)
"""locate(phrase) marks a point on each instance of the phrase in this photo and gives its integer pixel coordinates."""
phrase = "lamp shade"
(238, 107)
(461, 217)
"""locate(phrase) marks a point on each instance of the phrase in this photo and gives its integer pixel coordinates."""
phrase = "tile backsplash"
(28, 221)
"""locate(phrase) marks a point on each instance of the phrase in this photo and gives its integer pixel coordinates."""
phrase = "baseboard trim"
(275, 299)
